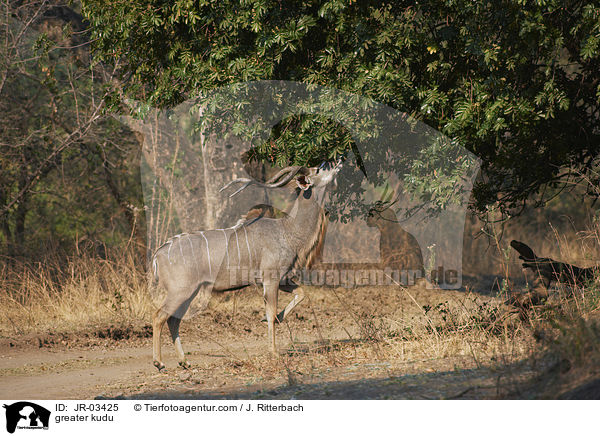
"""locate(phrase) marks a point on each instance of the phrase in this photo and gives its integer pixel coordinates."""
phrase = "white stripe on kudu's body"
(169, 251)
(279, 246)
(226, 246)
(248, 245)
(180, 247)
(193, 254)
(238, 245)
(208, 253)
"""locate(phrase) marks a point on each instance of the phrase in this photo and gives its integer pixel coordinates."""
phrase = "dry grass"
(567, 330)
(382, 331)
(65, 296)
(370, 323)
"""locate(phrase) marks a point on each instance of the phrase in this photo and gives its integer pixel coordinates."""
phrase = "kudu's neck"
(306, 224)
(304, 211)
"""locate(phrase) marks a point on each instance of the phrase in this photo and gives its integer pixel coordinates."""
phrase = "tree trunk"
(20, 214)
(4, 227)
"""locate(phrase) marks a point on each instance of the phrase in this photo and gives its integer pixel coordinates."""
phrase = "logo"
(26, 415)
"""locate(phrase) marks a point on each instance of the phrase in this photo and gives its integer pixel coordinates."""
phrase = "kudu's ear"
(303, 182)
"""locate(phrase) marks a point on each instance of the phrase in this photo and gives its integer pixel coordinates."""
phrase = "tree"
(515, 82)
(55, 150)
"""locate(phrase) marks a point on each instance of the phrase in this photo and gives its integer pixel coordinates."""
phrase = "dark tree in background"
(515, 82)
(66, 170)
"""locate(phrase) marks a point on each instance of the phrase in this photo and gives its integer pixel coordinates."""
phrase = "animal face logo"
(26, 415)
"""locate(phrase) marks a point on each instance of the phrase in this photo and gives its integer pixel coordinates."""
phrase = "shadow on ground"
(482, 383)
(525, 379)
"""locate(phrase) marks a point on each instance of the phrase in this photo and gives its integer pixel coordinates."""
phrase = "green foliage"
(515, 82)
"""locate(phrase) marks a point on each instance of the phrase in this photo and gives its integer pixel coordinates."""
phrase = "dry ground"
(359, 343)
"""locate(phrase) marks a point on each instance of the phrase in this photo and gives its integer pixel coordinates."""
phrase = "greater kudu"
(194, 265)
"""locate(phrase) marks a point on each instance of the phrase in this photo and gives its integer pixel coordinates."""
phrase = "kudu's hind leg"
(173, 323)
(172, 311)
(158, 321)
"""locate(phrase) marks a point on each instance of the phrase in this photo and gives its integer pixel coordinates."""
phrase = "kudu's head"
(310, 182)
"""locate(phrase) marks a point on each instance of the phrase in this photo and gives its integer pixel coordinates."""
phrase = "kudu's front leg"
(298, 295)
(271, 291)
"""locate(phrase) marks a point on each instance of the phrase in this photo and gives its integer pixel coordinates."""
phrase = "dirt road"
(87, 373)
(334, 347)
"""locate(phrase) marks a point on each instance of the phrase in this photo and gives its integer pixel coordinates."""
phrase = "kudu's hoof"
(185, 364)
(159, 365)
